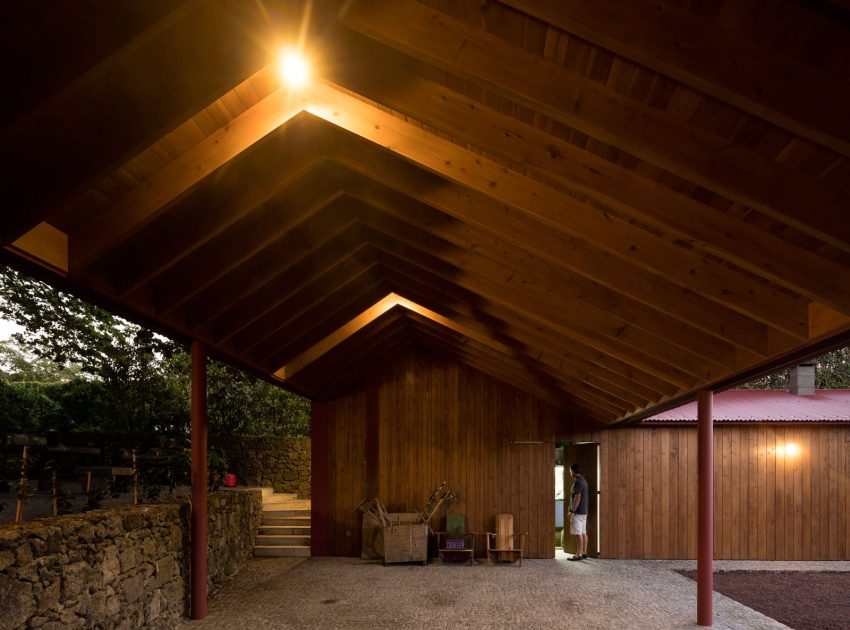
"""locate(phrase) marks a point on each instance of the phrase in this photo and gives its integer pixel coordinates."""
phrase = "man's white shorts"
(578, 524)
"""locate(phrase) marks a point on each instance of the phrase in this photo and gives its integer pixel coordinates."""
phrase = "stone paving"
(352, 593)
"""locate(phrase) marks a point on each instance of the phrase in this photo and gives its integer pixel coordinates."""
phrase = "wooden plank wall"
(768, 506)
(427, 419)
(440, 420)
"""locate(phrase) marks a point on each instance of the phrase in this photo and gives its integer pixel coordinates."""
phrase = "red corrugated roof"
(741, 405)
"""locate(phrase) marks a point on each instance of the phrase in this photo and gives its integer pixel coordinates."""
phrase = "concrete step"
(278, 507)
(280, 497)
(271, 521)
(280, 512)
(285, 540)
(283, 530)
(270, 551)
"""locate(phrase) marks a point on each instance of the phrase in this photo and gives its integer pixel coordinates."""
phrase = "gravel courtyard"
(351, 593)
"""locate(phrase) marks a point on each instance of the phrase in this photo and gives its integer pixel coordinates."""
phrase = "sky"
(7, 328)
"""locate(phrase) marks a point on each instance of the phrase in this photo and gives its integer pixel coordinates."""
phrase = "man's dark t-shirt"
(580, 487)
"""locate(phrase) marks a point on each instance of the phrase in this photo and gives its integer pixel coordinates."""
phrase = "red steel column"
(705, 512)
(199, 481)
(319, 480)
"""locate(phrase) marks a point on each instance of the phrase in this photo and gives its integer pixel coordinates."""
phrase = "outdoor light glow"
(292, 68)
(789, 450)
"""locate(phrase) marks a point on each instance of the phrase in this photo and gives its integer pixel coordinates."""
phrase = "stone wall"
(233, 519)
(282, 463)
(119, 568)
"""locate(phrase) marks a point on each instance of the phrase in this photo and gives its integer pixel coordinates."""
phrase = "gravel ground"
(352, 593)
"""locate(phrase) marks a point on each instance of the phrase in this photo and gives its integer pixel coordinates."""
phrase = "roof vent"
(803, 380)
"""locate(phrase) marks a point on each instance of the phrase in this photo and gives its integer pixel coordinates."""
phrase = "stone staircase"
(285, 530)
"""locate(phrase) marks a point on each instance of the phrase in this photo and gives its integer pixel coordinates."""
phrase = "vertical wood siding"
(427, 419)
(768, 506)
(439, 420)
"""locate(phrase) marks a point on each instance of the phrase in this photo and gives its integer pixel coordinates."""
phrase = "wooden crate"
(372, 545)
(405, 542)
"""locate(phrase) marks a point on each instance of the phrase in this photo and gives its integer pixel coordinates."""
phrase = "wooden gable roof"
(610, 205)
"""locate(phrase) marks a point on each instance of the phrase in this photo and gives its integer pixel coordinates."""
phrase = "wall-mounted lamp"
(789, 450)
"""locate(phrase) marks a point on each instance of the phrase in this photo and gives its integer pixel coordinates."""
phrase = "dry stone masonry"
(119, 568)
(280, 463)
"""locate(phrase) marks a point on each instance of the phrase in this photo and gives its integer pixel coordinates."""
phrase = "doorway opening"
(586, 454)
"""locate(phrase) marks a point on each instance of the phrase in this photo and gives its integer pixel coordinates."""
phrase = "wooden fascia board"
(44, 245)
(701, 54)
(603, 113)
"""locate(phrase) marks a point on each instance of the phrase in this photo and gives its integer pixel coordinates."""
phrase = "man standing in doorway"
(579, 500)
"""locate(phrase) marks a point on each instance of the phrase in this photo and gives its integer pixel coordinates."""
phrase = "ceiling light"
(293, 68)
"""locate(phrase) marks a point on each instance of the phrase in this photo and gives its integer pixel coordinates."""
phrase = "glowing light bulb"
(293, 68)
(791, 449)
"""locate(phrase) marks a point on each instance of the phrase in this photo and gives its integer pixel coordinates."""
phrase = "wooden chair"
(455, 544)
(504, 539)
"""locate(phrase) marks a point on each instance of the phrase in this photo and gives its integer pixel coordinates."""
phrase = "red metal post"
(705, 512)
(319, 480)
(199, 481)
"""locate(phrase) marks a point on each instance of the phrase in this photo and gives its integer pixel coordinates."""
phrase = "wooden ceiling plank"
(524, 376)
(567, 292)
(492, 369)
(148, 88)
(489, 317)
(484, 176)
(210, 222)
(299, 223)
(610, 278)
(527, 148)
(338, 336)
(354, 352)
(711, 59)
(624, 346)
(603, 113)
(522, 340)
(533, 367)
(143, 204)
(322, 312)
(310, 324)
(219, 307)
(251, 309)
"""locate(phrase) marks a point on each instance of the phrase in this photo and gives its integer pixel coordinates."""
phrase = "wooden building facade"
(427, 418)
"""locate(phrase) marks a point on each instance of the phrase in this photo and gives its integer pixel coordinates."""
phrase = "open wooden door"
(587, 455)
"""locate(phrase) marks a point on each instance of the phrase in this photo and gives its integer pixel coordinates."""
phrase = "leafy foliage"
(77, 367)
(832, 372)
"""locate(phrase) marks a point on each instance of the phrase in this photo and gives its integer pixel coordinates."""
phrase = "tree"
(138, 382)
(832, 371)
